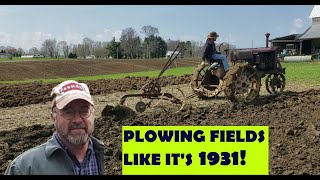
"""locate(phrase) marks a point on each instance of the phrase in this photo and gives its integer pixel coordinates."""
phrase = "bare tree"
(49, 47)
(130, 43)
(187, 49)
(88, 46)
(34, 50)
(197, 48)
(149, 31)
(100, 52)
(63, 48)
(20, 51)
(82, 50)
(172, 44)
(11, 50)
(74, 48)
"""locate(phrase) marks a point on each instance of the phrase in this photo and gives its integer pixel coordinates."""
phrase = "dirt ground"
(293, 120)
(22, 70)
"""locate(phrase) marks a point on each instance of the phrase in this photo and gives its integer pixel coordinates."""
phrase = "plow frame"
(152, 90)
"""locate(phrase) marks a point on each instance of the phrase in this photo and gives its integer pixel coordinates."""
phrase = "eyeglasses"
(69, 113)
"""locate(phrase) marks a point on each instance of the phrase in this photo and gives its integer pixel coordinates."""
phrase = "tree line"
(130, 46)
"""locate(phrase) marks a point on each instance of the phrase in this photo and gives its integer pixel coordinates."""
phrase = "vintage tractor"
(242, 82)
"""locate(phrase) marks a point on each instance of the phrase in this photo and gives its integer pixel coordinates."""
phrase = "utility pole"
(117, 52)
(148, 51)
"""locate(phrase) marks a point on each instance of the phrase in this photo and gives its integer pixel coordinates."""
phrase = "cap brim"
(61, 103)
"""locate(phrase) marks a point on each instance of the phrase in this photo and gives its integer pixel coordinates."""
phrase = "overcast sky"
(241, 25)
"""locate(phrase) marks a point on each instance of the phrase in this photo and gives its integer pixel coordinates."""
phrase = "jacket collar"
(52, 145)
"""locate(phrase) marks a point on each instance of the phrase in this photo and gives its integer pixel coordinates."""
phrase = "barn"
(307, 43)
(311, 37)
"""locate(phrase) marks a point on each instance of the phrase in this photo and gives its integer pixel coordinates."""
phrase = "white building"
(312, 34)
(4, 55)
(91, 57)
(169, 53)
(32, 56)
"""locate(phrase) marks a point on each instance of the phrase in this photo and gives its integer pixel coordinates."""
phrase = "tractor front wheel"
(275, 83)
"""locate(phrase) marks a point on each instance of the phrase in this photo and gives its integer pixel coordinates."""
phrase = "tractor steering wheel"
(224, 48)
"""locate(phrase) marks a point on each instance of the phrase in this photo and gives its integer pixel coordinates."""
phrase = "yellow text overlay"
(196, 150)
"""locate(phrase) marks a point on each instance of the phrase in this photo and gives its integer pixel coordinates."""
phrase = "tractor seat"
(214, 65)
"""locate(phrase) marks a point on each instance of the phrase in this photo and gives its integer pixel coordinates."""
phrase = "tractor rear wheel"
(242, 83)
(205, 84)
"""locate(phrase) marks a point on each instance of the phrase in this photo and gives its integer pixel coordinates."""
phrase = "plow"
(241, 84)
(152, 90)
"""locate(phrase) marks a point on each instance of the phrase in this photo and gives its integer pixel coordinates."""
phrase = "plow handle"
(169, 62)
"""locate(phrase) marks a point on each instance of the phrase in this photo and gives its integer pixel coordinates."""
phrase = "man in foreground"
(72, 150)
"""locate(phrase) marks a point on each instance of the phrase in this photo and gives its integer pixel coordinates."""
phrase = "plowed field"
(293, 117)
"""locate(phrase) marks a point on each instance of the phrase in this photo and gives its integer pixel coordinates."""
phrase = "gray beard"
(76, 140)
(79, 140)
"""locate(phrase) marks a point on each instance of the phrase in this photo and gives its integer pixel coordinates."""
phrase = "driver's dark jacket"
(209, 50)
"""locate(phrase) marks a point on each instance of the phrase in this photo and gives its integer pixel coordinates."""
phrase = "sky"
(244, 26)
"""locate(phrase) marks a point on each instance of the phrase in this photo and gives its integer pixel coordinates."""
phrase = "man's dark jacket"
(209, 50)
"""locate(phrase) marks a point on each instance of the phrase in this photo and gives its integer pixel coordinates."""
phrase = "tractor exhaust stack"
(267, 39)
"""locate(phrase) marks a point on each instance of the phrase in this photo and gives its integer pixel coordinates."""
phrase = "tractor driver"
(210, 53)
